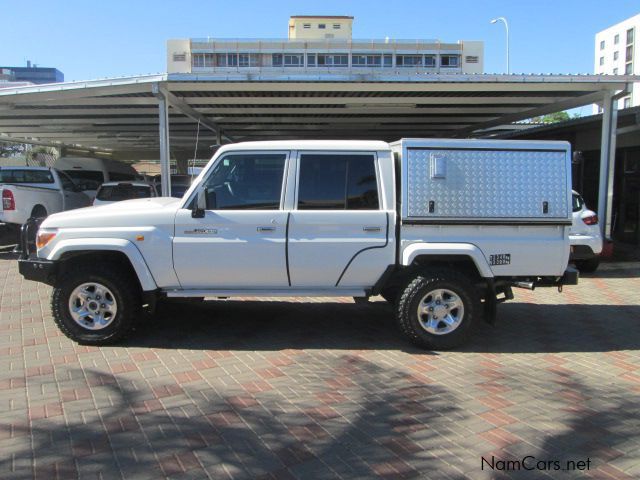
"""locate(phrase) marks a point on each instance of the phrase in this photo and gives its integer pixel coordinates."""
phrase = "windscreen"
(25, 176)
(116, 193)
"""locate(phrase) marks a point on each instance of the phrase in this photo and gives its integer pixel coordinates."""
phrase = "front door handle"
(266, 229)
(371, 229)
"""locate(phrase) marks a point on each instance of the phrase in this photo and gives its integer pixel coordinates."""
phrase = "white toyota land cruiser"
(442, 229)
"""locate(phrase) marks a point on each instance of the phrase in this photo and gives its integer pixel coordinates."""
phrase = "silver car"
(117, 191)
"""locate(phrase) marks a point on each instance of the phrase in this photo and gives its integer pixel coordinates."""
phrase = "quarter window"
(337, 182)
(578, 202)
(246, 182)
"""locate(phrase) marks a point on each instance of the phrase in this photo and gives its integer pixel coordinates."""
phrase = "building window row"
(322, 26)
(211, 60)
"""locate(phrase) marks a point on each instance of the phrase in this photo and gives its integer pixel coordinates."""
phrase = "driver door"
(240, 242)
(72, 196)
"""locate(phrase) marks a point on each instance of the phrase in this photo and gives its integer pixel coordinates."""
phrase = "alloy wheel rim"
(92, 306)
(440, 311)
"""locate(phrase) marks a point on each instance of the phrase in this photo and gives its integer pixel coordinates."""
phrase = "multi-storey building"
(32, 73)
(616, 53)
(323, 44)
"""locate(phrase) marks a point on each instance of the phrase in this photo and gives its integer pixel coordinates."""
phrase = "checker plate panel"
(488, 184)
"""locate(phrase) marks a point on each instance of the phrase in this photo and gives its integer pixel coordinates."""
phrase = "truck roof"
(371, 145)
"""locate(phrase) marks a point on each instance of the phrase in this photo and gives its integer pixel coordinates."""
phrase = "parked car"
(89, 173)
(179, 184)
(37, 192)
(584, 237)
(111, 192)
(443, 233)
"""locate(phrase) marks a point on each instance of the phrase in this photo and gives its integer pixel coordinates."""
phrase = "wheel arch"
(37, 207)
(123, 252)
(465, 255)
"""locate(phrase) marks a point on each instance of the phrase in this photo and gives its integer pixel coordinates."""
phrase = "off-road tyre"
(126, 292)
(424, 283)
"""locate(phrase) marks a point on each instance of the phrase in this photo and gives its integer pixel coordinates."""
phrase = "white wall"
(178, 47)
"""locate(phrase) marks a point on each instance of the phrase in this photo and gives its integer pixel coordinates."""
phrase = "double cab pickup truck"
(36, 192)
(442, 229)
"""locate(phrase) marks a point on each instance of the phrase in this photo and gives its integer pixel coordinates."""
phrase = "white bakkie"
(442, 229)
(36, 192)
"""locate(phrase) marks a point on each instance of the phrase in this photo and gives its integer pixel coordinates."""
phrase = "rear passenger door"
(338, 230)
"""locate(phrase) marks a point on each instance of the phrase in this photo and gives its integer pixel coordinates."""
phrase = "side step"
(278, 292)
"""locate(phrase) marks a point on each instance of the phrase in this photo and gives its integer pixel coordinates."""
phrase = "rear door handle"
(266, 229)
(371, 229)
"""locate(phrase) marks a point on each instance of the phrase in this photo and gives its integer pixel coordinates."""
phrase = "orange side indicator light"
(140, 238)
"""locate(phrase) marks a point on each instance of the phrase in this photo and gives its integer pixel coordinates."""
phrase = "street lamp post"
(506, 25)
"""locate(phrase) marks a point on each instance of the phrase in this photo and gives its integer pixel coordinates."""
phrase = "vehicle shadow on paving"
(277, 325)
(271, 325)
(550, 328)
(304, 432)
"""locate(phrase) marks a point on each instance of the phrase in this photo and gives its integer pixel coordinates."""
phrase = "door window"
(246, 182)
(67, 183)
(337, 182)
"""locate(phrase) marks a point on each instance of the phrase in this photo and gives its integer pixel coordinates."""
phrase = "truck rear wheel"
(438, 310)
(96, 305)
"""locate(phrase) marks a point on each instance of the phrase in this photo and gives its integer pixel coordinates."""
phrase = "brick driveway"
(304, 389)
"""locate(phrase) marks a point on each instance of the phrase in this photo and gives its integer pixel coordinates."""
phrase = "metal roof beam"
(188, 110)
(535, 112)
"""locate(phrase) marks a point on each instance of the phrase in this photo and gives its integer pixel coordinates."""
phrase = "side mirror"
(200, 205)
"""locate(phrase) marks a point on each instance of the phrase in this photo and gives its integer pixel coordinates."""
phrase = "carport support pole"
(607, 162)
(165, 169)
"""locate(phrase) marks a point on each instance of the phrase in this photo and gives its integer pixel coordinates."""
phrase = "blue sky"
(92, 39)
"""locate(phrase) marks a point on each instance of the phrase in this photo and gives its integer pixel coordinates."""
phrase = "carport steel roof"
(137, 117)
(122, 114)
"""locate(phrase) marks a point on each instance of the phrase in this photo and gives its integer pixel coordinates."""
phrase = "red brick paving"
(323, 389)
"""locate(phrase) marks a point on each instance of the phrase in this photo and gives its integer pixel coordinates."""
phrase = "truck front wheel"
(96, 305)
(437, 310)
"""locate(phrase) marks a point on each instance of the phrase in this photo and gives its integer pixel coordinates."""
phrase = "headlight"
(43, 238)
